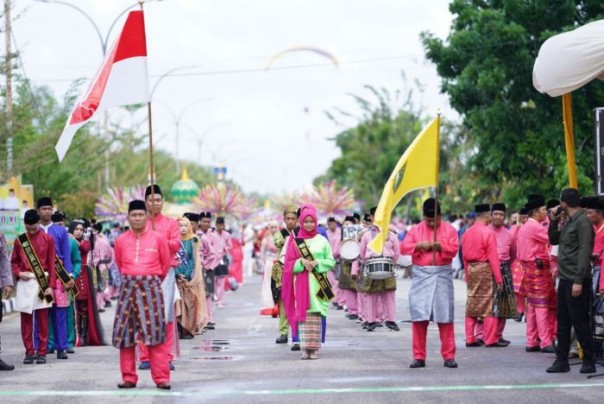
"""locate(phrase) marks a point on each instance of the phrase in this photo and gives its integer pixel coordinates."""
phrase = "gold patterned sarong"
(480, 290)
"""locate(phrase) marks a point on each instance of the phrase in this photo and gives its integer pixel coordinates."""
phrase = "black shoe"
(101, 310)
(504, 341)
(108, 303)
(41, 359)
(126, 385)
(371, 327)
(549, 349)
(296, 346)
(282, 339)
(497, 344)
(352, 316)
(588, 367)
(61, 354)
(163, 386)
(392, 325)
(211, 325)
(50, 351)
(340, 307)
(474, 344)
(532, 349)
(418, 363)
(451, 364)
(186, 335)
(29, 360)
(5, 366)
(518, 318)
(480, 341)
(379, 324)
(558, 367)
(70, 350)
(364, 325)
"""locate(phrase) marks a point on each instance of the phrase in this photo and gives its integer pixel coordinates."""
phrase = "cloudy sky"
(267, 127)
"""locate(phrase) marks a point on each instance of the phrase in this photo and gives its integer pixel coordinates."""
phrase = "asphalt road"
(239, 362)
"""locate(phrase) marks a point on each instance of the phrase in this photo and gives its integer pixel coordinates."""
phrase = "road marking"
(206, 394)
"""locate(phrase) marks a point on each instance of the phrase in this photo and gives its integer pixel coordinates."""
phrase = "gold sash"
(325, 291)
(64, 276)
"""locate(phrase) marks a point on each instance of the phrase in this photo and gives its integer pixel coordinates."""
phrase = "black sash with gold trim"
(64, 276)
(325, 291)
(35, 266)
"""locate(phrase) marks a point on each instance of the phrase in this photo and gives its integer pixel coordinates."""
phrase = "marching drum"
(350, 249)
(378, 268)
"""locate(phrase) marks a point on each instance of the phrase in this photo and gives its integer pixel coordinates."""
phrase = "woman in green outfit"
(308, 259)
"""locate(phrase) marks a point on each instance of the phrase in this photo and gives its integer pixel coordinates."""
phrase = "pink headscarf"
(297, 304)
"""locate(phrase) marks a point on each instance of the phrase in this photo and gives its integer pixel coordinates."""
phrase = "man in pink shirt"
(170, 230)
(537, 283)
(506, 253)
(431, 293)
(144, 259)
(210, 258)
(380, 291)
(594, 210)
(481, 263)
(334, 236)
(223, 248)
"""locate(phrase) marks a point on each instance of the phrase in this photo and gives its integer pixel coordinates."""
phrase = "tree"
(486, 69)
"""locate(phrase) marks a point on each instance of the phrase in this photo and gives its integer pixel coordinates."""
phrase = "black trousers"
(574, 312)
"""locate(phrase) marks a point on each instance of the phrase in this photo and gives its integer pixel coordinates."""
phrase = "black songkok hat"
(592, 202)
(44, 201)
(137, 204)
(571, 197)
(193, 217)
(220, 220)
(98, 227)
(535, 203)
(552, 203)
(156, 190)
(523, 211)
(349, 219)
(367, 217)
(57, 217)
(482, 208)
(372, 210)
(204, 215)
(357, 216)
(430, 206)
(31, 217)
(499, 206)
(331, 219)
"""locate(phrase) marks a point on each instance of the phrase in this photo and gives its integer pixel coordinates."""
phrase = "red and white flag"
(122, 80)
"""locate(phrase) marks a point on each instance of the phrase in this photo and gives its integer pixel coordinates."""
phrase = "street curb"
(8, 306)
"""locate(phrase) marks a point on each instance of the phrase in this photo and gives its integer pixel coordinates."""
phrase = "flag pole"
(436, 187)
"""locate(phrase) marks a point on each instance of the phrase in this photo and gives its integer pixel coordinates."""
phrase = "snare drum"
(350, 249)
(378, 268)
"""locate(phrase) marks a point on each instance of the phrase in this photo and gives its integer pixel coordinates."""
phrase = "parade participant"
(306, 299)
(63, 266)
(346, 283)
(194, 220)
(210, 260)
(169, 229)
(431, 293)
(378, 291)
(190, 308)
(481, 263)
(334, 236)
(279, 279)
(594, 210)
(269, 253)
(33, 265)
(223, 249)
(537, 283)
(101, 259)
(506, 307)
(576, 241)
(88, 325)
(144, 259)
(6, 285)
(516, 267)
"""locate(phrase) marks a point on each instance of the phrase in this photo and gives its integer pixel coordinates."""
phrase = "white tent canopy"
(570, 60)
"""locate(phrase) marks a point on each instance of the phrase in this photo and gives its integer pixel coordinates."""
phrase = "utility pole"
(9, 92)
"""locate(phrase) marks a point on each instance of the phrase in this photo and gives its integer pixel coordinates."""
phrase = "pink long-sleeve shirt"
(334, 238)
(446, 235)
(504, 240)
(224, 244)
(168, 228)
(142, 254)
(479, 245)
(209, 254)
(532, 242)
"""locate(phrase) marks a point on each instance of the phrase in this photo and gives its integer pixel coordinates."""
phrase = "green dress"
(321, 251)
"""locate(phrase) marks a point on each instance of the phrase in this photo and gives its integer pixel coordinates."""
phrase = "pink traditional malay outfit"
(599, 252)
(481, 259)
(170, 230)
(537, 284)
(223, 249)
(505, 240)
(517, 272)
(432, 272)
(334, 238)
(101, 257)
(143, 260)
(209, 261)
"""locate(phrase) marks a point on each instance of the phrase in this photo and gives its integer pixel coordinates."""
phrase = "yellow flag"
(416, 169)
